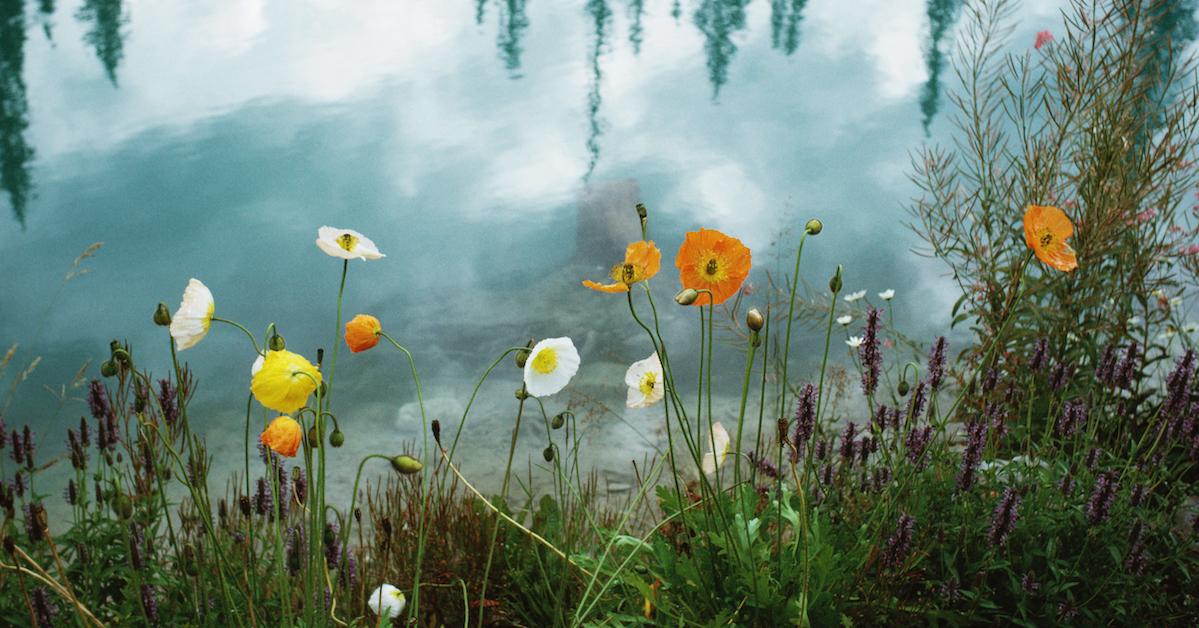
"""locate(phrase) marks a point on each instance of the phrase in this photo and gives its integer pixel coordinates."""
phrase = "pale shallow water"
(493, 151)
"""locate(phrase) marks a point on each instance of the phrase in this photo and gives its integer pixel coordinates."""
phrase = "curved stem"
(345, 266)
(253, 341)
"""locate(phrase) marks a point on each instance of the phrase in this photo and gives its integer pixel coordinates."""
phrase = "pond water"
(492, 150)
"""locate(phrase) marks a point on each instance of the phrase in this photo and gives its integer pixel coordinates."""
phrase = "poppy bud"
(358, 515)
(548, 454)
(834, 284)
(903, 388)
(754, 320)
(277, 343)
(522, 356)
(114, 345)
(107, 368)
(521, 393)
(320, 356)
(813, 226)
(686, 296)
(337, 439)
(162, 315)
(641, 211)
(121, 356)
(436, 425)
(558, 421)
(324, 390)
(406, 464)
(314, 439)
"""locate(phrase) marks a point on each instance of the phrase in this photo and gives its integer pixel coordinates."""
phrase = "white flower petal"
(257, 366)
(854, 296)
(887, 294)
(346, 244)
(191, 321)
(647, 371)
(854, 341)
(844, 320)
(549, 373)
(719, 441)
(387, 600)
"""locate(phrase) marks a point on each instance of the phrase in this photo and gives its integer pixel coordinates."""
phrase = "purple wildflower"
(990, 380)
(262, 499)
(972, 456)
(72, 492)
(332, 544)
(805, 417)
(919, 399)
(97, 400)
(137, 543)
(295, 549)
(1135, 561)
(3, 433)
(847, 437)
(869, 354)
(1178, 385)
(44, 608)
(27, 443)
(764, 465)
(1066, 611)
(17, 451)
(936, 363)
(950, 591)
(826, 474)
(821, 450)
(1137, 495)
(149, 603)
(896, 550)
(882, 475)
(917, 441)
(1093, 457)
(1029, 583)
(1102, 496)
(1059, 379)
(85, 437)
(1074, 415)
(1040, 355)
(349, 570)
(996, 416)
(35, 521)
(168, 401)
(1007, 511)
(1126, 371)
(1105, 369)
(878, 422)
(299, 484)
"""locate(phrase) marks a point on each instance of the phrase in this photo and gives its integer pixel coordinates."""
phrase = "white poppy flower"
(387, 600)
(844, 320)
(719, 441)
(854, 296)
(346, 244)
(645, 382)
(257, 366)
(551, 364)
(854, 341)
(191, 321)
(887, 294)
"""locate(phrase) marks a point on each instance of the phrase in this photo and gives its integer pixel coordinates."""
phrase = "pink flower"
(1192, 249)
(1043, 38)
(888, 343)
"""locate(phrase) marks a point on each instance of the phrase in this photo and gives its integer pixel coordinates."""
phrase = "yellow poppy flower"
(285, 381)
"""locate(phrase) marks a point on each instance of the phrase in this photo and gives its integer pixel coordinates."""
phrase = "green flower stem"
(345, 266)
(749, 367)
(422, 532)
(250, 531)
(349, 520)
(253, 341)
(495, 529)
(762, 398)
(790, 319)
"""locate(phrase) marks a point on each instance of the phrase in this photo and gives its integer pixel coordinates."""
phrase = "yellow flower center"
(648, 382)
(545, 361)
(1046, 238)
(627, 273)
(208, 316)
(714, 268)
(347, 242)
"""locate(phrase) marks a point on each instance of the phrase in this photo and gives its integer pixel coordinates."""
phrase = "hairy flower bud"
(406, 464)
(835, 283)
(277, 343)
(754, 320)
(813, 226)
(108, 368)
(337, 438)
(162, 315)
(686, 296)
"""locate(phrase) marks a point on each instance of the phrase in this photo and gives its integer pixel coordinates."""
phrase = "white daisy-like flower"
(191, 321)
(1158, 293)
(887, 294)
(719, 441)
(387, 600)
(854, 296)
(551, 364)
(854, 342)
(1176, 301)
(645, 382)
(346, 244)
(844, 320)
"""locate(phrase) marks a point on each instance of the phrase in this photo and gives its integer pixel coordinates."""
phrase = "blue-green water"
(492, 150)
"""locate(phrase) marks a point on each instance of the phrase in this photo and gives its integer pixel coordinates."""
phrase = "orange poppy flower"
(711, 260)
(283, 436)
(641, 261)
(362, 332)
(1046, 229)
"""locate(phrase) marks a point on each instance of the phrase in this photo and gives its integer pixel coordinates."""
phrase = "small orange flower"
(641, 261)
(283, 435)
(711, 260)
(362, 332)
(1046, 229)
